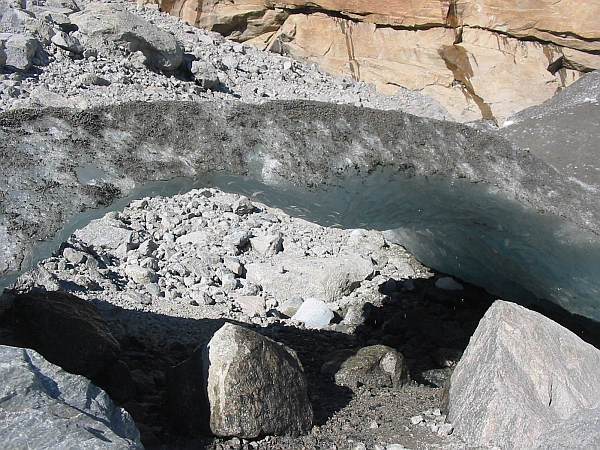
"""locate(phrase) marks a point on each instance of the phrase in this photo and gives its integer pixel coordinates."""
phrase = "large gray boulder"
(101, 22)
(255, 386)
(42, 406)
(17, 51)
(521, 380)
(326, 279)
(66, 330)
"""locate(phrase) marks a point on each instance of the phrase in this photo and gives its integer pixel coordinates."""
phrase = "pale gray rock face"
(106, 234)
(521, 375)
(109, 22)
(42, 406)
(579, 432)
(255, 387)
(17, 51)
(373, 366)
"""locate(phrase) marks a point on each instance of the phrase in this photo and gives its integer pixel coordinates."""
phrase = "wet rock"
(373, 366)
(521, 375)
(313, 313)
(66, 330)
(255, 386)
(45, 407)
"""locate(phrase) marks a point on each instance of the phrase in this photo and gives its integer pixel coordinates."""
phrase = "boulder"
(255, 386)
(17, 51)
(327, 279)
(66, 330)
(205, 74)
(521, 377)
(42, 406)
(101, 22)
(313, 313)
(107, 234)
(373, 366)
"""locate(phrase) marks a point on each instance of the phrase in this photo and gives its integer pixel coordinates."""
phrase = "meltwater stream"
(448, 224)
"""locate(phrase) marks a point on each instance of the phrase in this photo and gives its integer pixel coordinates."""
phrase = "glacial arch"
(454, 194)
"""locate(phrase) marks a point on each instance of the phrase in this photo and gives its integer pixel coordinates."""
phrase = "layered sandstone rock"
(455, 68)
(567, 23)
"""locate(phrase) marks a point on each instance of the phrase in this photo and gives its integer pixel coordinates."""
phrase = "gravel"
(167, 275)
(112, 75)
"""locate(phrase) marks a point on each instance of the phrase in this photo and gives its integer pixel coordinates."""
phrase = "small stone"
(251, 304)
(415, 420)
(234, 265)
(91, 79)
(147, 248)
(140, 275)
(153, 289)
(205, 75)
(268, 245)
(74, 256)
(240, 238)
(445, 429)
(374, 425)
(290, 307)
(242, 206)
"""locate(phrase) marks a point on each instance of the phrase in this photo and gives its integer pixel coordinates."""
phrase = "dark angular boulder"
(66, 330)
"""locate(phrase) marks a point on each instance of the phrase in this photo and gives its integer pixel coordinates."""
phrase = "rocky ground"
(112, 75)
(168, 272)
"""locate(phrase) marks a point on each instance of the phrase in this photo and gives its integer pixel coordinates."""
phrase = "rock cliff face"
(479, 58)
